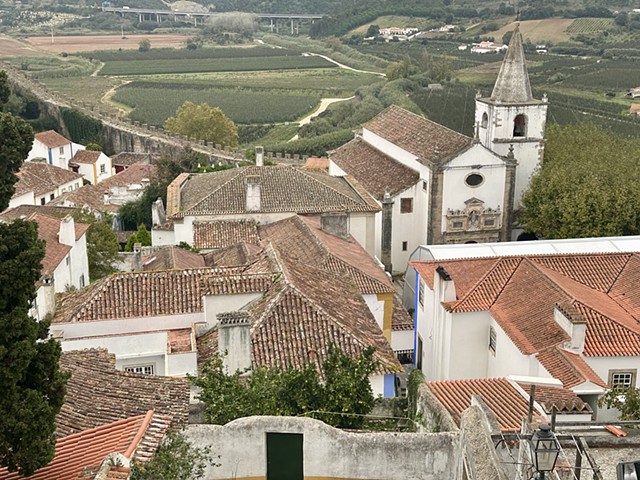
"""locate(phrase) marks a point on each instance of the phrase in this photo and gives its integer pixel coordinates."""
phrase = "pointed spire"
(512, 85)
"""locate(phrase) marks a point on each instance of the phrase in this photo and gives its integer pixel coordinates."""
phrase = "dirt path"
(324, 104)
(106, 98)
(341, 65)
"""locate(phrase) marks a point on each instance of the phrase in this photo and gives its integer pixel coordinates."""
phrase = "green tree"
(94, 147)
(102, 249)
(32, 386)
(144, 45)
(203, 122)
(625, 399)
(142, 236)
(588, 185)
(175, 459)
(402, 69)
(16, 139)
(373, 31)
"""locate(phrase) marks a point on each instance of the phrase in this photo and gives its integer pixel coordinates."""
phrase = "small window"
(424, 185)
(474, 180)
(421, 293)
(493, 338)
(143, 369)
(485, 120)
(82, 281)
(520, 126)
(52, 196)
(405, 245)
(61, 150)
(67, 261)
(64, 189)
(406, 205)
(43, 200)
(622, 378)
(103, 168)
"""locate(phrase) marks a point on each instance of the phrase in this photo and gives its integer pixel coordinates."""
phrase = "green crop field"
(153, 104)
(240, 64)
(589, 25)
(185, 54)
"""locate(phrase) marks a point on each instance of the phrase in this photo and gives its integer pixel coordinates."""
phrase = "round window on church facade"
(474, 180)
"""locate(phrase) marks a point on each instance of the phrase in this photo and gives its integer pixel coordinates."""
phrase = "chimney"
(572, 322)
(137, 257)
(105, 197)
(234, 341)
(67, 233)
(444, 284)
(49, 290)
(253, 193)
(387, 227)
(259, 156)
(336, 224)
(158, 214)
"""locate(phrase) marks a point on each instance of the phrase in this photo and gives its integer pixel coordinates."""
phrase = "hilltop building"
(437, 186)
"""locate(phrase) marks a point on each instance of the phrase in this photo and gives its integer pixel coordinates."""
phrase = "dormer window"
(520, 126)
(485, 120)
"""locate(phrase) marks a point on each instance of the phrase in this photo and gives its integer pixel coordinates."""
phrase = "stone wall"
(432, 414)
(239, 448)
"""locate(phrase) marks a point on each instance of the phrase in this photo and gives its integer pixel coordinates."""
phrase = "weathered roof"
(97, 393)
(136, 437)
(172, 257)
(376, 171)
(86, 156)
(51, 139)
(129, 158)
(512, 85)
(431, 142)
(570, 368)
(224, 233)
(239, 254)
(400, 320)
(301, 239)
(521, 293)
(282, 189)
(317, 163)
(41, 178)
(505, 401)
(25, 211)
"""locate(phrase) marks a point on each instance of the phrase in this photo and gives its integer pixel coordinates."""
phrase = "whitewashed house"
(53, 147)
(442, 186)
(92, 165)
(40, 183)
(568, 317)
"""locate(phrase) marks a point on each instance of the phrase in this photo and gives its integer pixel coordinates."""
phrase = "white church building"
(437, 186)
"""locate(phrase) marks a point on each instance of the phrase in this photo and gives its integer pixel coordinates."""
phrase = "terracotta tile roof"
(135, 437)
(373, 169)
(283, 189)
(239, 254)
(171, 257)
(234, 284)
(41, 178)
(221, 234)
(301, 238)
(129, 158)
(173, 194)
(97, 393)
(86, 156)
(92, 196)
(25, 211)
(48, 229)
(181, 341)
(563, 399)
(307, 309)
(521, 292)
(505, 401)
(401, 320)
(138, 294)
(570, 368)
(317, 163)
(431, 142)
(52, 139)
(118, 473)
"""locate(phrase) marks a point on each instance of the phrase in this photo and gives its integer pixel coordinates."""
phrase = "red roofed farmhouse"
(574, 318)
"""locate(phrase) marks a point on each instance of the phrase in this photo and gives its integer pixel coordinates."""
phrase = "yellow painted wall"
(387, 298)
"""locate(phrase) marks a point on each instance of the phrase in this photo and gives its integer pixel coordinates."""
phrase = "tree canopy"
(203, 122)
(624, 399)
(102, 249)
(16, 139)
(32, 386)
(341, 399)
(588, 185)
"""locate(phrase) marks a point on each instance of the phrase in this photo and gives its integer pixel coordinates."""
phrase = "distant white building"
(397, 31)
(92, 165)
(53, 147)
(39, 183)
(488, 47)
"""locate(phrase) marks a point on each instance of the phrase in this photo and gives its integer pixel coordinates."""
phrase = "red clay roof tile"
(51, 139)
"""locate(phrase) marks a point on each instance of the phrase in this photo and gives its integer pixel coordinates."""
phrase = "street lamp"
(544, 449)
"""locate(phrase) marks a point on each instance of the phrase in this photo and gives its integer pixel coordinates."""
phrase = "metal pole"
(532, 394)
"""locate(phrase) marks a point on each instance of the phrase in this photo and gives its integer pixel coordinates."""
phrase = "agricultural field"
(87, 43)
(394, 21)
(10, 47)
(539, 31)
(589, 25)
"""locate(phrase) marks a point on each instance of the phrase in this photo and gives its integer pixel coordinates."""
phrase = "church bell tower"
(512, 117)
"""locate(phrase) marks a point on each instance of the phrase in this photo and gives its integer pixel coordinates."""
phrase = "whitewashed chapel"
(438, 186)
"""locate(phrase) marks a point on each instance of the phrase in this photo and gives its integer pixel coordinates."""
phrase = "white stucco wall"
(376, 307)
(402, 340)
(24, 199)
(60, 156)
(377, 385)
(75, 265)
(362, 227)
(216, 304)
(603, 365)
(466, 349)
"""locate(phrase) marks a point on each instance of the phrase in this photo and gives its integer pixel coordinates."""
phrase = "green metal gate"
(284, 456)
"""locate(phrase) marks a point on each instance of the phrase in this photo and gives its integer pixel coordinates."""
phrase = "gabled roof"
(25, 211)
(98, 393)
(282, 189)
(41, 178)
(172, 257)
(502, 397)
(431, 142)
(570, 368)
(136, 437)
(376, 171)
(86, 156)
(512, 85)
(129, 158)
(221, 234)
(239, 254)
(51, 139)
(303, 240)
(520, 292)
